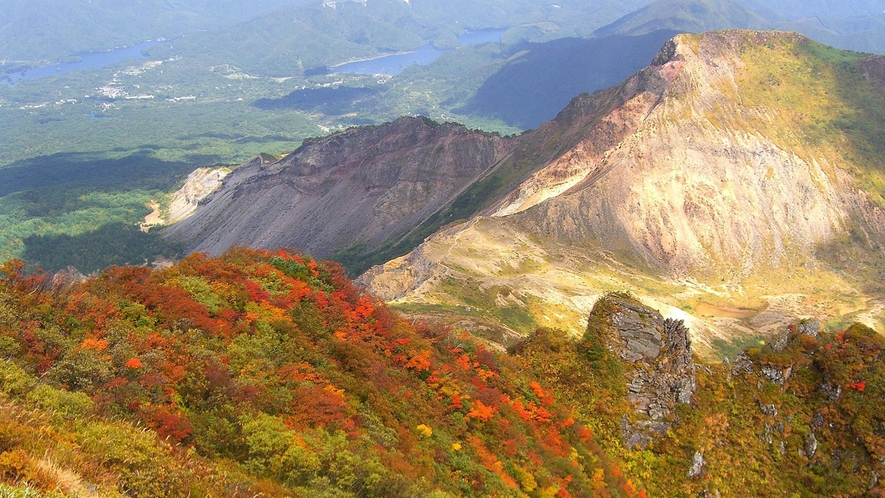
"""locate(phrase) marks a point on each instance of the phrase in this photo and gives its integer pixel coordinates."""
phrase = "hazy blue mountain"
(853, 26)
(292, 40)
(44, 30)
(693, 16)
(49, 30)
(860, 33)
(538, 80)
(792, 9)
(36, 30)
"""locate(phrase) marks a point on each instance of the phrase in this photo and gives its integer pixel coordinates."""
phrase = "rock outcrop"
(657, 355)
(65, 278)
(198, 185)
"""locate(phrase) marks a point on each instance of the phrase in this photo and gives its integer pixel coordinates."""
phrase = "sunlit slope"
(740, 170)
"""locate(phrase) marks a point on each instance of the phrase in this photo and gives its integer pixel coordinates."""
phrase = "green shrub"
(62, 403)
(14, 380)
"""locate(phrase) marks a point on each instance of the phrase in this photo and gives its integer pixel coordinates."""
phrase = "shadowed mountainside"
(540, 79)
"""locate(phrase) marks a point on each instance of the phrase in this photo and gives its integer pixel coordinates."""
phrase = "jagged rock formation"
(719, 172)
(658, 362)
(66, 277)
(360, 186)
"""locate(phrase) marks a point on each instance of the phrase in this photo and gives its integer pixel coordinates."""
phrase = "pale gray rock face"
(776, 374)
(640, 338)
(660, 371)
(769, 409)
(697, 465)
(810, 445)
(780, 342)
(359, 186)
(809, 327)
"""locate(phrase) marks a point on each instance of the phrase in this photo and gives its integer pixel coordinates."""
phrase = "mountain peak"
(742, 168)
(686, 15)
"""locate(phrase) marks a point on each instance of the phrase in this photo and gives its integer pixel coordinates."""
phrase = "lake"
(87, 61)
(394, 63)
(386, 64)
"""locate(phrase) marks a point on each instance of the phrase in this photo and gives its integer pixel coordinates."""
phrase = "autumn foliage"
(278, 365)
(264, 373)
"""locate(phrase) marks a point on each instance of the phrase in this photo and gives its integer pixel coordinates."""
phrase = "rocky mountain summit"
(734, 184)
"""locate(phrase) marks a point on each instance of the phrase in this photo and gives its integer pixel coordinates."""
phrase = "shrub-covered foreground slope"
(268, 373)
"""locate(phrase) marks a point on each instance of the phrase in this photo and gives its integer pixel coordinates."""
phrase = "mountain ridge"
(860, 27)
(381, 180)
(269, 372)
(763, 200)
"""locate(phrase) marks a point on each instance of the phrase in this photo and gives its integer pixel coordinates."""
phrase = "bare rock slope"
(735, 182)
(360, 186)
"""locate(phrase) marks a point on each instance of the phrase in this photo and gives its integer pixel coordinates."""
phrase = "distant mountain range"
(859, 26)
(305, 34)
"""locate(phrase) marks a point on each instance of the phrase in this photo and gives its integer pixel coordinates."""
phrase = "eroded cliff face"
(198, 185)
(359, 186)
(701, 190)
(708, 180)
(657, 358)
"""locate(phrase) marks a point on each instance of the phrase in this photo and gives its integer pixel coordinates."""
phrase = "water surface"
(88, 60)
(394, 63)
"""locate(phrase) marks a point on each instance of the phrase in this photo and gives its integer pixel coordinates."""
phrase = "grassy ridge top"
(814, 100)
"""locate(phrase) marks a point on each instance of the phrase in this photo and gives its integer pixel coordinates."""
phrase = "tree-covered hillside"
(269, 373)
(266, 373)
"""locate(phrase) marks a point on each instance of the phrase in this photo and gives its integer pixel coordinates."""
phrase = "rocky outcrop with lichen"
(656, 353)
